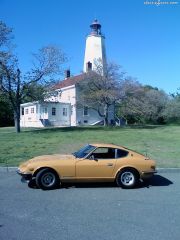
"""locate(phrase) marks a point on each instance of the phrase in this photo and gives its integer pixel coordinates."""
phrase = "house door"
(66, 115)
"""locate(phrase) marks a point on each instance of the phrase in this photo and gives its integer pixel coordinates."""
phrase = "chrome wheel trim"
(48, 179)
(127, 178)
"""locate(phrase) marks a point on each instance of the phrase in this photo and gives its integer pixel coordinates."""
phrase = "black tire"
(127, 178)
(47, 179)
(32, 183)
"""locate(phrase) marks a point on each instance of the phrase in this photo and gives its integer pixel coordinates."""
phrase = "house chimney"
(67, 73)
(88, 66)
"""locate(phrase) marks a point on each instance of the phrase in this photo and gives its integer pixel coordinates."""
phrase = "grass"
(161, 143)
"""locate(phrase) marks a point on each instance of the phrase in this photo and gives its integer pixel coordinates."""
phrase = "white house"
(62, 110)
(35, 114)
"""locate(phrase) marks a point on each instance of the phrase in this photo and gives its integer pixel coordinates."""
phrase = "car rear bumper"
(25, 177)
(146, 175)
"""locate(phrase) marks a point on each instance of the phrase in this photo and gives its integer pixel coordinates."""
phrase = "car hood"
(52, 157)
(48, 159)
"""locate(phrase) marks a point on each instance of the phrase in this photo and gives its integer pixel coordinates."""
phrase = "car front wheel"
(47, 179)
(127, 178)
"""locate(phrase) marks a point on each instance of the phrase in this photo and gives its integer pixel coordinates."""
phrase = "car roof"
(111, 145)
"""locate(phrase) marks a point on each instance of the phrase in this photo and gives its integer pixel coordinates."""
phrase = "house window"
(64, 111)
(32, 110)
(22, 111)
(26, 111)
(53, 111)
(85, 111)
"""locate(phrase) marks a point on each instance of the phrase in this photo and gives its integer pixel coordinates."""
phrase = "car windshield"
(84, 151)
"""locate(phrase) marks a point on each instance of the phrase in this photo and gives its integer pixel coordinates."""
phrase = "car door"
(98, 165)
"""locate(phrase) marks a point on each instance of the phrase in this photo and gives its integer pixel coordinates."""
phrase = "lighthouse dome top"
(95, 27)
(95, 22)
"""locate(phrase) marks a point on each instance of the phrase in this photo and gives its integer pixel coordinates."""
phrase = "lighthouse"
(95, 48)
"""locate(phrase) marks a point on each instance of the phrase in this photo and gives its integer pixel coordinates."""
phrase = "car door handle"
(110, 164)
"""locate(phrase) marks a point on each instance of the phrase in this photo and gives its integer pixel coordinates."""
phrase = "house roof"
(70, 81)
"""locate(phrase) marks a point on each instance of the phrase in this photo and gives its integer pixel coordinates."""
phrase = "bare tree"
(47, 65)
(100, 89)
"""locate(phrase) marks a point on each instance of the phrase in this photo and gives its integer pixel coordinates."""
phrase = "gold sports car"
(92, 163)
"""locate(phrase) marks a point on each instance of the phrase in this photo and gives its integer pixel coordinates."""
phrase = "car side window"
(121, 153)
(104, 153)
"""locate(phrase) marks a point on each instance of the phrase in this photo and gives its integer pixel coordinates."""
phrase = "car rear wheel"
(47, 179)
(127, 178)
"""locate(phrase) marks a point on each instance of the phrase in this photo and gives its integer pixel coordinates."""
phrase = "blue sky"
(143, 38)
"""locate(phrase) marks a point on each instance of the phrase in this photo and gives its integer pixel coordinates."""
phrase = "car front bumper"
(25, 177)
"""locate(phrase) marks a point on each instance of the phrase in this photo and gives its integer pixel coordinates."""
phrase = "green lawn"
(161, 143)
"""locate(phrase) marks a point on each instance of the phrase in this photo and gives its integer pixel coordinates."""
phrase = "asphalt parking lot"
(90, 211)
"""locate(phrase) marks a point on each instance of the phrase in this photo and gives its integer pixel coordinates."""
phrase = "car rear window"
(121, 153)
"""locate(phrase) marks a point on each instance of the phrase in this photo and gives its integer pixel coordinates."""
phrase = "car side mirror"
(93, 158)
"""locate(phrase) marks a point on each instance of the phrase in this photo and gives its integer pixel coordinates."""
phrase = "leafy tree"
(131, 106)
(19, 86)
(172, 111)
(6, 115)
(142, 104)
(155, 103)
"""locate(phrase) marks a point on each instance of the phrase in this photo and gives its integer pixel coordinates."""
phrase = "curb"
(159, 170)
(168, 170)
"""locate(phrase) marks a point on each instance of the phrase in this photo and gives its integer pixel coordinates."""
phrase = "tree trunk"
(106, 123)
(106, 109)
(17, 119)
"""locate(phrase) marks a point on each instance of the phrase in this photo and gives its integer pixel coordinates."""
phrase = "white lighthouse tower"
(95, 47)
